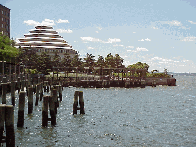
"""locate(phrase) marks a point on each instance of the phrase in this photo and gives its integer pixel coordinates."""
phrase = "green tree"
(44, 63)
(7, 50)
(100, 61)
(89, 60)
(66, 62)
(118, 61)
(109, 61)
(76, 61)
(56, 60)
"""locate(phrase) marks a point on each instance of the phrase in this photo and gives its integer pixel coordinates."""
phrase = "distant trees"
(139, 65)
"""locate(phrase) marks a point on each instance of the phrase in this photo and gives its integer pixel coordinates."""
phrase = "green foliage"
(100, 62)
(158, 75)
(44, 63)
(76, 61)
(66, 62)
(139, 65)
(7, 51)
(89, 60)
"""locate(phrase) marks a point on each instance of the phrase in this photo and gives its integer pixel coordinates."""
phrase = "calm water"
(160, 116)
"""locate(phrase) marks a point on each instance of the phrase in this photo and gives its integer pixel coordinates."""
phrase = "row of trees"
(44, 62)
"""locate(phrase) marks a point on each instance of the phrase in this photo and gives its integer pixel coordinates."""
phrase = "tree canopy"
(7, 49)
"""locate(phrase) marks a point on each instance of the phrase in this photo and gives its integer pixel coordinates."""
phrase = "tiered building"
(45, 39)
(4, 20)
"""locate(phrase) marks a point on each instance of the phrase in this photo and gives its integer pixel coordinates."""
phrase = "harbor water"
(151, 116)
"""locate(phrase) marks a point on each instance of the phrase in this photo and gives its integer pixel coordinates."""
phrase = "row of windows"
(6, 20)
(5, 26)
(4, 33)
(51, 50)
(5, 13)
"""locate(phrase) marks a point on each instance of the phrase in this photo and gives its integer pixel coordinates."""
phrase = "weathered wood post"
(75, 104)
(48, 87)
(52, 110)
(23, 83)
(60, 93)
(9, 125)
(13, 83)
(81, 102)
(37, 94)
(41, 91)
(45, 111)
(4, 91)
(45, 85)
(18, 84)
(21, 104)
(30, 99)
(2, 120)
(54, 95)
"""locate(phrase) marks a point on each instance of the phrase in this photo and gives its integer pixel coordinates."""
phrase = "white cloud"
(31, 22)
(141, 49)
(147, 39)
(189, 39)
(64, 31)
(134, 32)
(155, 28)
(110, 40)
(175, 23)
(192, 22)
(62, 21)
(99, 28)
(90, 48)
(130, 47)
(91, 39)
(96, 31)
(118, 45)
(99, 40)
(46, 22)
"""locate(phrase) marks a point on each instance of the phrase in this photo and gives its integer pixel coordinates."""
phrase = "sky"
(159, 33)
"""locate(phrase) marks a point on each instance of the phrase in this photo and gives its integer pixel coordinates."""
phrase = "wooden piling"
(23, 83)
(21, 104)
(60, 93)
(52, 110)
(81, 102)
(75, 104)
(18, 84)
(54, 95)
(2, 120)
(37, 95)
(30, 99)
(4, 91)
(9, 125)
(13, 83)
(41, 91)
(45, 111)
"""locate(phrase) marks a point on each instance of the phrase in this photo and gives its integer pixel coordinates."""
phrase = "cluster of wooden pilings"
(26, 87)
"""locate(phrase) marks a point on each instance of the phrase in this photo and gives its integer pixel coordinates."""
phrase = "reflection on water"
(159, 116)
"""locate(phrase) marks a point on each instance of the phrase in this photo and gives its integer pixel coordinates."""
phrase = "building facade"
(5, 20)
(45, 39)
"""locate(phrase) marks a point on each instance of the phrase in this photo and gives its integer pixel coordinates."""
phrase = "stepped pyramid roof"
(45, 39)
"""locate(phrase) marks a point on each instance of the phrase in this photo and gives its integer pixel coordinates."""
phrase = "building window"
(2, 19)
(2, 11)
(2, 32)
(2, 25)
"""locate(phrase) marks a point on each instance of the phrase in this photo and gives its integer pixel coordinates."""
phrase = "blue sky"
(159, 33)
